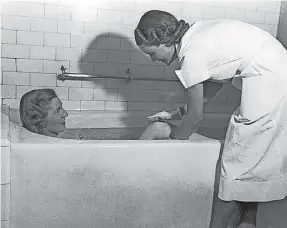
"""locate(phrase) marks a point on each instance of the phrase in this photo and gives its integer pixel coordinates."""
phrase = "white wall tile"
(69, 54)
(8, 37)
(8, 64)
(58, 12)
(77, 41)
(106, 94)
(130, 18)
(43, 25)
(13, 104)
(122, 31)
(16, 78)
(37, 79)
(268, 6)
(116, 106)
(15, 51)
(210, 13)
(29, 65)
(99, 83)
(68, 84)
(71, 105)
(85, 14)
(16, 22)
(109, 16)
(95, 28)
(255, 17)
(92, 105)
(23, 9)
(81, 94)
(192, 10)
(30, 38)
(70, 26)
(8, 91)
(40, 52)
(57, 40)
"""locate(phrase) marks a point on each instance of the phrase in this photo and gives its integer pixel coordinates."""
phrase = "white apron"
(254, 159)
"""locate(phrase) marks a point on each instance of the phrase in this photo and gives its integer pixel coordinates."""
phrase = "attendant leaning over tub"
(254, 160)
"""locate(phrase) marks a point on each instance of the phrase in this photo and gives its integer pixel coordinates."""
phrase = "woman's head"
(41, 112)
(158, 32)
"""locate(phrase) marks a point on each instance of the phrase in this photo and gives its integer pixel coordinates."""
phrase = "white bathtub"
(106, 183)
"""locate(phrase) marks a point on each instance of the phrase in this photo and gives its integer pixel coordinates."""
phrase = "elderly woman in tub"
(41, 112)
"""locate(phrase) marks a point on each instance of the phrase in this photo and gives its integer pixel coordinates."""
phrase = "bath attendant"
(254, 160)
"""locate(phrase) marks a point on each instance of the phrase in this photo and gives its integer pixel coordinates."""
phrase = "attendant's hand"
(160, 116)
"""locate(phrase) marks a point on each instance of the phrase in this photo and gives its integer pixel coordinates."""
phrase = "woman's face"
(56, 118)
(161, 53)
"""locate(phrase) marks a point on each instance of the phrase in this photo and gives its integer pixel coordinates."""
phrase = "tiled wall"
(282, 27)
(96, 37)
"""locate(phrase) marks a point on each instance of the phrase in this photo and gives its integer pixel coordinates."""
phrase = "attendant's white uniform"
(254, 160)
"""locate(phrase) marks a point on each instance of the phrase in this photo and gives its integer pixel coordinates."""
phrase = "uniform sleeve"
(193, 69)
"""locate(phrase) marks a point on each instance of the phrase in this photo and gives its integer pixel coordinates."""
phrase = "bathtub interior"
(116, 125)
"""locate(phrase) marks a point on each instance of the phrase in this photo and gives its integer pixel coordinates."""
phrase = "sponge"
(172, 114)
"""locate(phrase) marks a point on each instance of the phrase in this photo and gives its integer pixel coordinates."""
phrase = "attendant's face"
(55, 118)
(161, 53)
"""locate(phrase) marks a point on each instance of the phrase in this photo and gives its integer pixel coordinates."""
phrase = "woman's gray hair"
(159, 27)
(33, 109)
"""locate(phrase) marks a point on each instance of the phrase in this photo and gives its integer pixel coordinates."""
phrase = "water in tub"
(131, 133)
(158, 128)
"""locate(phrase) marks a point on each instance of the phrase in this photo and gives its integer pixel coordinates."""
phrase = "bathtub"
(53, 182)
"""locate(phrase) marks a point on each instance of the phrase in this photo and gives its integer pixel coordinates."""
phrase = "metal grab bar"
(85, 77)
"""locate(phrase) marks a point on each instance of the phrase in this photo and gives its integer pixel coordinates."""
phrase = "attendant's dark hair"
(158, 27)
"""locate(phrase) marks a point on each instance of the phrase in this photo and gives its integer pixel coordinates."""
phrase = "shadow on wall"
(111, 55)
(110, 58)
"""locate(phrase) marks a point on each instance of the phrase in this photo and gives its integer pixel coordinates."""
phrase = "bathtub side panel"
(124, 186)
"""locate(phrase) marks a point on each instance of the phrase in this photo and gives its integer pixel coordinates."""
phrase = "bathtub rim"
(41, 139)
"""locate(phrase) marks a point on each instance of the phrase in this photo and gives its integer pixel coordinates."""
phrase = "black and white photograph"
(143, 113)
